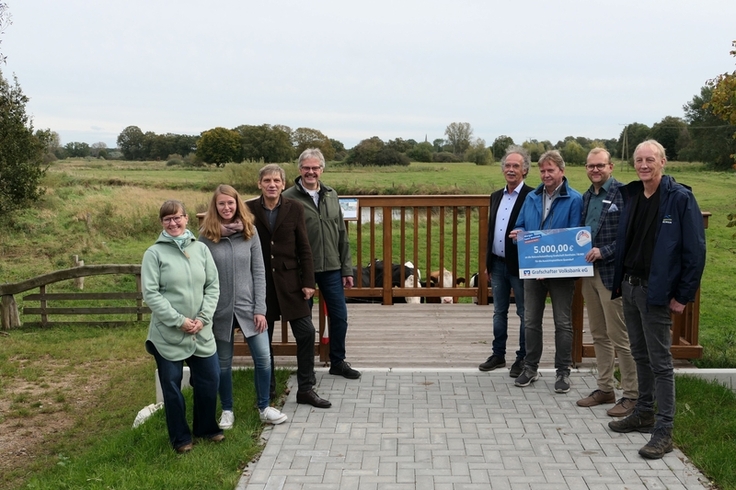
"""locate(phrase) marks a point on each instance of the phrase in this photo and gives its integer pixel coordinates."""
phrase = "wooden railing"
(452, 229)
(11, 318)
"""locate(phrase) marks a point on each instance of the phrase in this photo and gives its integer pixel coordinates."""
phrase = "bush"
(389, 156)
(174, 159)
(21, 153)
(445, 157)
(192, 160)
(421, 152)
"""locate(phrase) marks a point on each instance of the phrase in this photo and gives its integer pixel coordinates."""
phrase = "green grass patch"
(138, 458)
(705, 428)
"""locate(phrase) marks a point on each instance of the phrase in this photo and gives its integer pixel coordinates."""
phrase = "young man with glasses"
(602, 204)
(333, 267)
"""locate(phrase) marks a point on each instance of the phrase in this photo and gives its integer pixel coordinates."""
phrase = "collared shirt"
(271, 214)
(547, 200)
(595, 206)
(503, 215)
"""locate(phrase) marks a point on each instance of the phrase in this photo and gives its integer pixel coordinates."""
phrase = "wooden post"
(79, 281)
(9, 310)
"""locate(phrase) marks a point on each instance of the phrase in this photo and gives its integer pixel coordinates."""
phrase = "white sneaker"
(273, 416)
(227, 419)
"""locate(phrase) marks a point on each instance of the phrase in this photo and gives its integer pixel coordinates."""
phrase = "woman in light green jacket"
(181, 287)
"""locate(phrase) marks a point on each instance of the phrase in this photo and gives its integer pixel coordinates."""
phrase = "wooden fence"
(11, 318)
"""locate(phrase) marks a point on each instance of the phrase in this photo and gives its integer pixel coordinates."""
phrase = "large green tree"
(723, 101)
(421, 152)
(670, 132)
(373, 151)
(632, 135)
(573, 152)
(500, 144)
(130, 143)
(21, 152)
(218, 146)
(710, 137)
(313, 138)
(459, 135)
(272, 144)
(478, 153)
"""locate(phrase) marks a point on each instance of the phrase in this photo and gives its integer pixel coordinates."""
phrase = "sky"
(354, 69)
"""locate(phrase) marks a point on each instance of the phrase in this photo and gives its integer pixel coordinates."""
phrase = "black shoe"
(493, 362)
(637, 421)
(312, 398)
(517, 368)
(343, 369)
(526, 378)
(562, 383)
(659, 445)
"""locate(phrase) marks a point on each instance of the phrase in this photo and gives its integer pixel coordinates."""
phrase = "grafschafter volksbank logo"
(582, 238)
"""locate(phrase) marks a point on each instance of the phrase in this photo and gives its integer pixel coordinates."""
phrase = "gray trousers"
(561, 291)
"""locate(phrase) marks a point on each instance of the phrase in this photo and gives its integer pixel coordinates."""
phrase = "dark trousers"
(205, 378)
(304, 334)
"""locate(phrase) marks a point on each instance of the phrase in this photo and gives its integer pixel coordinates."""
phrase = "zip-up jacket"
(179, 284)
(679, 244)
(328, 236)
(567, 208)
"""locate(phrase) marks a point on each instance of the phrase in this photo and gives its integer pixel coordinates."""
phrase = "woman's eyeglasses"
(175, 219)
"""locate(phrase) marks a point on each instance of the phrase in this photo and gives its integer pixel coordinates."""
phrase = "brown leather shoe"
(312, 398)
(622, 408)
(185, 448)
(217, 438)
(598, 397)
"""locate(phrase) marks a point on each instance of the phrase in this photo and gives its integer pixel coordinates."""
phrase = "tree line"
(707, 133)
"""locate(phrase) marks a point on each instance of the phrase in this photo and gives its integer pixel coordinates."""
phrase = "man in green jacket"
(333, 268)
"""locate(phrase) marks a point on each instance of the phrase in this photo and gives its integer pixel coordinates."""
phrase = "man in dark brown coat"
(289, 274)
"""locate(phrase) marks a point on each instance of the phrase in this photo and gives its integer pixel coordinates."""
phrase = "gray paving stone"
(456, 430)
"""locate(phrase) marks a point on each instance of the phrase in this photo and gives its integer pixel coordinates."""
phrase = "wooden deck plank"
(429, 336)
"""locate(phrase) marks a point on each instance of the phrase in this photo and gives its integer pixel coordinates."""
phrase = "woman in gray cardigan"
(229, 233)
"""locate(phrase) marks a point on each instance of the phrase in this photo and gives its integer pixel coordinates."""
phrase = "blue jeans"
(502, 283)
(561, 291)
(651, 339)
(331, 291)
(204, 380)
(260, 352)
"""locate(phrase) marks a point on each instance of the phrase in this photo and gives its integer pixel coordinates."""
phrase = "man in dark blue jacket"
(502, 258)
(660, 256)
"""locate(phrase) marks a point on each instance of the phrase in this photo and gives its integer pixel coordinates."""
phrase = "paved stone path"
(456, 429)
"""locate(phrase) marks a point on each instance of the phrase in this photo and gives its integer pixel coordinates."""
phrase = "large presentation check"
(555, 253)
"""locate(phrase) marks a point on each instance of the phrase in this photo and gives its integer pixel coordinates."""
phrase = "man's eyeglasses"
(310, 169)
(175, 219)
(597, 166)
